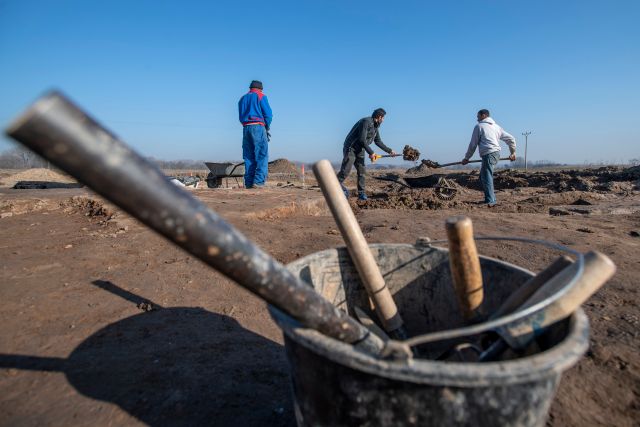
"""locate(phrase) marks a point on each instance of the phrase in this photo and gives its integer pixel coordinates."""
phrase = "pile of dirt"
(283, 166)
(424, 200)
(630, 174)
(577, 198)
(421, 169)
(88, 207)
(36, 174)
(605, 179)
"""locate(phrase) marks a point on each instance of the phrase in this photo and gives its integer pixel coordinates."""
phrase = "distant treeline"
(23, 158)
(178, 164)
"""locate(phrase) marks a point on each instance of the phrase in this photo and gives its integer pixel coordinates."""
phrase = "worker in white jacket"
(487, 135)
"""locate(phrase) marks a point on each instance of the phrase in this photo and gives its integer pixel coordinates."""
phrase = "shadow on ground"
(177, 366)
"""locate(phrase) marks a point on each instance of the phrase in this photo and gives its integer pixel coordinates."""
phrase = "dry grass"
(306, 208)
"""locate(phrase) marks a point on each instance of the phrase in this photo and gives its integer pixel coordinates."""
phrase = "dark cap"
(484, 112)
(378, 112)
(256, 84)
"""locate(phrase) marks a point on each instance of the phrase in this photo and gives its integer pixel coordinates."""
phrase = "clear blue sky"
(166, 75)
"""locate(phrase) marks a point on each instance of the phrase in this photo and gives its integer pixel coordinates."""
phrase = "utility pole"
(526, 141)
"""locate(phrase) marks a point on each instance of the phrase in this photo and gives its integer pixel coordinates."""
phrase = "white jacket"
(487, 134)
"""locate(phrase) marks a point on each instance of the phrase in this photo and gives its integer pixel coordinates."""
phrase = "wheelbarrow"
(443, 188)
(218, 171)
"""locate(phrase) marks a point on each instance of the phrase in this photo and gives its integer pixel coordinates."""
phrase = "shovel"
(408, 153)
(377, 157)
(60, 132)
(435, 165)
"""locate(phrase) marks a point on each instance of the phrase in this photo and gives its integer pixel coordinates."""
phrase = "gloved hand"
(512, 157)
(465, 161)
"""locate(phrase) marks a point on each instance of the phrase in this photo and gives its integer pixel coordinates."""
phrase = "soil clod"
(411, 154)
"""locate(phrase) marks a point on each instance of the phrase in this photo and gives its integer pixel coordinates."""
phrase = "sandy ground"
(104, 323)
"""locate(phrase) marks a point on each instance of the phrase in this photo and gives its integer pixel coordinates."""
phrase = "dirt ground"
(104, 323)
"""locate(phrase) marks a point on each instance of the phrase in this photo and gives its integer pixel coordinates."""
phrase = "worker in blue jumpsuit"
(255, 115)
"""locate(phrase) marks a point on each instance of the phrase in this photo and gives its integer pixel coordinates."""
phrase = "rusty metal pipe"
(61, 132)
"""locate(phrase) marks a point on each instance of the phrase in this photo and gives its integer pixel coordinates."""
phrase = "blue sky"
(166, 76)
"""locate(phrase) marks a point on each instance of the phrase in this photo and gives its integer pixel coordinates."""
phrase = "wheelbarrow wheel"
(445, 189)
(213, 181)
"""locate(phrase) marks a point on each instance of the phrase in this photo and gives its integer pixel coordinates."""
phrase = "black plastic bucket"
(336, 385)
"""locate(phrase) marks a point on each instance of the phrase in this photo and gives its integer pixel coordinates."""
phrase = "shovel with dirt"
(408, 153)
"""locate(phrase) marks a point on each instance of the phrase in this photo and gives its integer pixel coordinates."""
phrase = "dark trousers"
(349, 159)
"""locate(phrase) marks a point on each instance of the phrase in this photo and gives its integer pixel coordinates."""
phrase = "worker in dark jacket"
(363, 133)
(255, 115)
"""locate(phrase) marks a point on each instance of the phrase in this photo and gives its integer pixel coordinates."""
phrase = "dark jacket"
(362, 134)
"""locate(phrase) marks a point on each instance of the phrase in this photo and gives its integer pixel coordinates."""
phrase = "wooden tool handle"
(470, 161)
(357, 246)
(465, 266)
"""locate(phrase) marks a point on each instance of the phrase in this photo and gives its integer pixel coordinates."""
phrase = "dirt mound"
(283, 166)
(37, 174)
(88, 207)
(424, 200)
(606, 179)
(631, 174)
(563, 198)
(421, 169)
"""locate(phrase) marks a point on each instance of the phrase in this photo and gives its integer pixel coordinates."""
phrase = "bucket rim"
(551, 362)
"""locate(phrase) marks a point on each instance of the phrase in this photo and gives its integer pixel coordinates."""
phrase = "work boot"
(345, 190)
(362, 196)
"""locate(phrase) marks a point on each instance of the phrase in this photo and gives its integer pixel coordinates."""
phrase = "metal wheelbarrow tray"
(223, 170)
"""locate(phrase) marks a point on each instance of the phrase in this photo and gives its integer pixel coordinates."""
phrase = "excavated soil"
(102, 322)
(418, 200)
(410, 154)
(421, 169)
(37, 174)
(604, 179)
(283, 166)
(551, 188)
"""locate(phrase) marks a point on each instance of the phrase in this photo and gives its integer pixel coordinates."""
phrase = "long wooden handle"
(470, 161)
(61, 132)
(598, 269)
(357, 246)
(465, 266)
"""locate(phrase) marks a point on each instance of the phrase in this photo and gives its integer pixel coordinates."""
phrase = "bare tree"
(21, 158)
